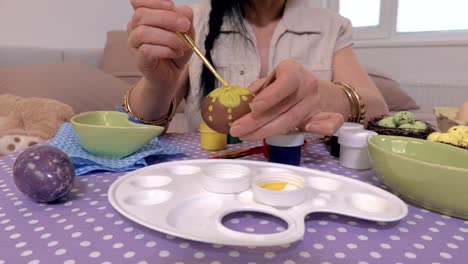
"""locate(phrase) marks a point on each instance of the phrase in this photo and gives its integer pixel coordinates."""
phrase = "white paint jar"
(353, 149)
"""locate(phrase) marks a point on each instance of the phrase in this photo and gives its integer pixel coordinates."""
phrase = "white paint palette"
(170, 198)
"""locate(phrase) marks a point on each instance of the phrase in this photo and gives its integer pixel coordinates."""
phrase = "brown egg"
(225, 105)
(462, 114)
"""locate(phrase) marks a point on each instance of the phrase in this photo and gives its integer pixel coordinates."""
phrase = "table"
(86, 229)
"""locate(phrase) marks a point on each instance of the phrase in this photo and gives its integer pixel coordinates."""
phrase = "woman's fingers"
(166, 19)
(153, 26)
(185, 11)
(323, 123)
(257, 85)
(289, 77)
(154, 4)
(155, 36)
(254, 121)
(151, 53)
(280, 125)
(283, 101)
(283, 86)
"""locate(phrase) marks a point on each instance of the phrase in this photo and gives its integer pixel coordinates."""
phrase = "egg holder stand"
(170, 198)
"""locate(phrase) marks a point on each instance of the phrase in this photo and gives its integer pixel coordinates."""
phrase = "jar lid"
(283, 196)
(348, 126)
(292, 139)
(356, 138)
(226, 178)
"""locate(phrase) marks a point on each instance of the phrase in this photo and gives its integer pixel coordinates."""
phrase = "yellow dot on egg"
(250, 105)
(210, 118)
(245, 98)
(229, 110)
(213, 99)
(229, 117)
(210, 108)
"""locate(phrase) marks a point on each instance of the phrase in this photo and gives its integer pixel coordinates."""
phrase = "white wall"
(62, 23)
(419, 63)
(433, 75)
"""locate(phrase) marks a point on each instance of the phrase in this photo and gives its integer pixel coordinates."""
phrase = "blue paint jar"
(285, 149)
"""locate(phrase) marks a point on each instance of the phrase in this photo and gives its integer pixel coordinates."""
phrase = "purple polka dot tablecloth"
(85, 228)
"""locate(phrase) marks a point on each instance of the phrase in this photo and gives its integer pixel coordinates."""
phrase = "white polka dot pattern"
(84, 228)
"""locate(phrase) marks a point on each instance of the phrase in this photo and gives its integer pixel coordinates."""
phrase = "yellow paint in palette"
(279, 186)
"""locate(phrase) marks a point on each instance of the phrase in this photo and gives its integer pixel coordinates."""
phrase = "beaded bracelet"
(164, 121)
(358, 108)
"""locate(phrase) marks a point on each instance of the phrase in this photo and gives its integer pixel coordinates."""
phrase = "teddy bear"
(28, 121)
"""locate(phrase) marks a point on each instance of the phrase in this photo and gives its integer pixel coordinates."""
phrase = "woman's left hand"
(289, 98)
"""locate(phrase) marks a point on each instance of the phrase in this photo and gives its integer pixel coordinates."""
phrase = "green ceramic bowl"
(429, 174)
(110, 134)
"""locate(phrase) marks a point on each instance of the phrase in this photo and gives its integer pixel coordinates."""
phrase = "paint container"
(334, 145)
(353, 149)
(279, 189)
(285, 149)
(226, 178)
(210, 139)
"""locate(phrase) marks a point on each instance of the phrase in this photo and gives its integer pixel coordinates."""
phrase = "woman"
(302, 50)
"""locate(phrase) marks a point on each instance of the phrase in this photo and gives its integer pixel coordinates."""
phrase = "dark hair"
(234, 10)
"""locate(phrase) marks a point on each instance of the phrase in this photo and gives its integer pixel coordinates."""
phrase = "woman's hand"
(161, 54)
(289, 98)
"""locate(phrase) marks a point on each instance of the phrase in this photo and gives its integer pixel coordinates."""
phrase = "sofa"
(85, 79)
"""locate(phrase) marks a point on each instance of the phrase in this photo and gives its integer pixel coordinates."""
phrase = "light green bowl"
(110, 134)
(429, 174)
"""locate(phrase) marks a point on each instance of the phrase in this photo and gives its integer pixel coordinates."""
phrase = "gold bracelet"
(358, 108)
(164, 121)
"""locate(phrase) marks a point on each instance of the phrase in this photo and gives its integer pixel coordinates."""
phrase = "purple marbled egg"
(43, 173)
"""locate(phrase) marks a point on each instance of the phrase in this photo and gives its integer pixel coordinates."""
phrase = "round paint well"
(226, 178)
(324, 184)
(147, 198)
(184, 170)
(368, 203)
(150, 181)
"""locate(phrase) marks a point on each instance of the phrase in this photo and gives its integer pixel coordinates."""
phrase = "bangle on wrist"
(163, 121)
(358, 108)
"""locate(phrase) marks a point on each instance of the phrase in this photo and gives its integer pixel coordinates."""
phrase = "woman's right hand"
(161, 54)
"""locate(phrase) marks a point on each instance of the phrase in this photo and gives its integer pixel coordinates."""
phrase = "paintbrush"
(189, 41)
(237, 153)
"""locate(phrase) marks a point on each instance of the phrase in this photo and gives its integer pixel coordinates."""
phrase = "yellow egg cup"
(210, 139)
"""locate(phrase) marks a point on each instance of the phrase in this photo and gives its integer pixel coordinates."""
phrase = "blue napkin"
(85, 162)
